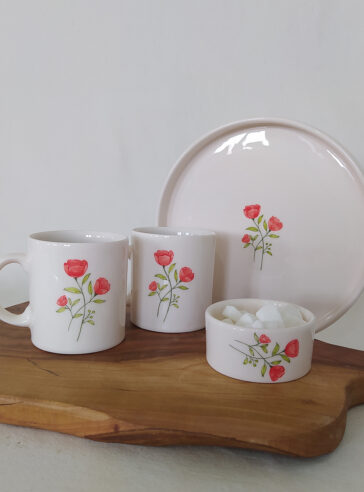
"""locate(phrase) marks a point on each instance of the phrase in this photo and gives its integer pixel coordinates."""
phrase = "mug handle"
(22, 319)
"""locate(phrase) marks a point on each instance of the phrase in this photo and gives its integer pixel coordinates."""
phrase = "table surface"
(70, 463)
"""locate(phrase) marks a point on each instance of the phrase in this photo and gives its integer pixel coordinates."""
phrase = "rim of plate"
(177, 169)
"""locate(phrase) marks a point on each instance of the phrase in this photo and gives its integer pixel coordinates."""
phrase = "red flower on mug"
(276, 372)
(163, 257)
(274, 224)
(245, 238)
(62, 301)
(292, 348)
(75, 268)
(252, 211)
(186, 274)
(169, 291)
(102, 286)
(153, 286)
(264, 339)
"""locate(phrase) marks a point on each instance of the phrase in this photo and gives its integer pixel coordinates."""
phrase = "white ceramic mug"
(172, 276)
(77, 290)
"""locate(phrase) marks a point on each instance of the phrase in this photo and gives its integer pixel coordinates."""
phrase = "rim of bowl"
(308, 315)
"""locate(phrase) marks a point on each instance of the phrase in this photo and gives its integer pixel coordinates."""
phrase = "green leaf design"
(171, 267)
(69, 301)
(89, 288)
(75, 302)
(265, 226)
(276, 349)
(175, 305)
(100, 301)
(90, 321)
(264, 370)
(284, 357)
(74, 290)
(251, 228)
(256, 338)
(159, 275)
(273, 235)
(163, 287)
(182, 287)
(260, 219)
(245, 360)
(246, 245)
(275, 362)
(61, 309)
(150, 294)
(78, 315)
(176, 276)
(264, 348)
(258, 248)
(269, 253)
(251, 350)
(85, 278)
(165, 299)
(254, 237)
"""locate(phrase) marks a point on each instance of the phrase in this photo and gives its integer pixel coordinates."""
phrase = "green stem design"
(169, 292)
(160, 302)
(84, 309)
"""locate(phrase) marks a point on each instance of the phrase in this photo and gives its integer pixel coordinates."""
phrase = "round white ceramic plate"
(311, 252)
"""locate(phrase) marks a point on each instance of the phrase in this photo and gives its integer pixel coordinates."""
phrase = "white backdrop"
(99, 98)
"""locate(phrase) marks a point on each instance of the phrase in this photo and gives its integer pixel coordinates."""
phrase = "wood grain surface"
(157, 389)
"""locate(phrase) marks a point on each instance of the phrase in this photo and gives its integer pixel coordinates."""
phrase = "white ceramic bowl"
(262, 356)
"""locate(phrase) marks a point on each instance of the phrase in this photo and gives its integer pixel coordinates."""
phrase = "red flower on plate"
(75, 268)
(274, 224)
(163, 257)
(102, 286)
(245, 238)
(153, 286)
(292, 348)
(264, 339)
(186, 274)
(252, 211)
(276, 372)
(62, 301)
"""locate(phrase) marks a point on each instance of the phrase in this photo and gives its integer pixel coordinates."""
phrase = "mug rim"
(170, 232)
(59, 237)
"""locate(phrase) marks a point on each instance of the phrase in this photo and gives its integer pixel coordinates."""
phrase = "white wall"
(99, 98)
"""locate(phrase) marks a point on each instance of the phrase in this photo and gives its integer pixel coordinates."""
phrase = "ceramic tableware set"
(257, 210)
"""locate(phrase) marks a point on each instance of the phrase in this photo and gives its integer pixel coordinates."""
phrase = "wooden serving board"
(157, 389)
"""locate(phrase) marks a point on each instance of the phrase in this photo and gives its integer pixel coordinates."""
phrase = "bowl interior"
(252, 306)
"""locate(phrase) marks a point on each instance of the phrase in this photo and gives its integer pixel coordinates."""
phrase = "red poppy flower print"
(276, 372)
(82, 294)
(274, 224)
(264, 339)
(163, 257)
(262, 231)
(170, 282)
(153, 286)
(292, 348)
(186, 274)
(252, 211)
(75, 268)
(62, 301)
(102, 286)
(268, 356)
